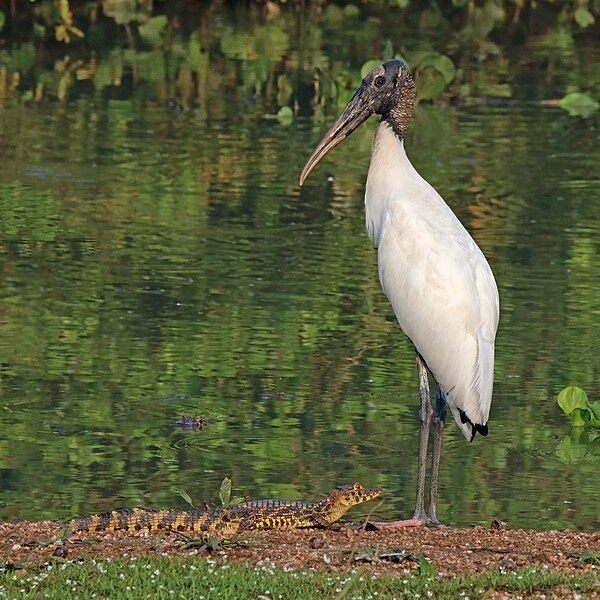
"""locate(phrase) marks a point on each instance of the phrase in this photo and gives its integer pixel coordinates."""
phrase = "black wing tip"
(475, 427)
(480, 429)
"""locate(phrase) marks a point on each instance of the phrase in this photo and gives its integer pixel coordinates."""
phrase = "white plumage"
(437, 279)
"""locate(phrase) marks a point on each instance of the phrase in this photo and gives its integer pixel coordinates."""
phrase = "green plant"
(574, 402)
(578, 104)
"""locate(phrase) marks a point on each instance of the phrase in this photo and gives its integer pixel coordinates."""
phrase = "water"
(154, 266)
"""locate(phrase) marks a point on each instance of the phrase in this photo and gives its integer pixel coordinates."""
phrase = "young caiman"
(256, 514)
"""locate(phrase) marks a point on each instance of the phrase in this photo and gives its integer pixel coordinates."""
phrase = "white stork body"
(437, 279)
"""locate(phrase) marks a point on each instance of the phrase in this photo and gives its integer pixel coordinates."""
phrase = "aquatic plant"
(575, 403)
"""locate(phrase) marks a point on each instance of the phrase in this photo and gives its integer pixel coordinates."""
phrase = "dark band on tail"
(475, 427)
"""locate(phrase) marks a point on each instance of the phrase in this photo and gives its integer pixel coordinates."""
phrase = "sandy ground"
(451, 551)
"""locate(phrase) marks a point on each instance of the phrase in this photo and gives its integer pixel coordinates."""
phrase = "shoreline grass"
(207, 578)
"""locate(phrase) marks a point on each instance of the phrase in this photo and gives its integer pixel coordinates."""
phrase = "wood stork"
(438, 281)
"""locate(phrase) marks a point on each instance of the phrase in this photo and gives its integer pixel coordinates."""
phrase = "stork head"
(388, 90)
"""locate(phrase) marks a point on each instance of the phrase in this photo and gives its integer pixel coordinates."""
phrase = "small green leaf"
(426, 569)
(153, 29)
(590, 558)
(185, 496)
(497, 90)
(333, 15)
(595, 408)
(579, 417)
(225, 491)
(199, 544)
(122, 12)
(284, 90)
(431, 17)
(2, 20)
(572, 397)
(583, 17)
(285, 115)
(593, 447)
(388, 50)
(369, 66)
(446, 67)
(430, 83)
(578, 104)
(422, 57)
(435, 71)
(64, 533)
(351, 11)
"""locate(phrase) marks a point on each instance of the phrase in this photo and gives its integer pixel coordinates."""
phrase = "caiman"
(256, 514)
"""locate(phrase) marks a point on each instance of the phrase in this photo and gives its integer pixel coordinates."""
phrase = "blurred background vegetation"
(178, 51)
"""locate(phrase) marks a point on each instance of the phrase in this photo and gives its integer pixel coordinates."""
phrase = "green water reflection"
(152, 267)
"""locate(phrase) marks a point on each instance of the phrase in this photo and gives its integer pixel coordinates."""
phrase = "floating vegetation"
(574, 402)
(584, 440)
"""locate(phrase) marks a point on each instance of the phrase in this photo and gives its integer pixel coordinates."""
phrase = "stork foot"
(432, 519)
(414, 522)
(419, 520)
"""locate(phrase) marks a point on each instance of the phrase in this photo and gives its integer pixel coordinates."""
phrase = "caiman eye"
(379, 81)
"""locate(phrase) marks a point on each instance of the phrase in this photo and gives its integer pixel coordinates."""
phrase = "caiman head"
(343, 498)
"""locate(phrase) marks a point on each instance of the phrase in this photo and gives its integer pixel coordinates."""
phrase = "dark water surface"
(153, 267)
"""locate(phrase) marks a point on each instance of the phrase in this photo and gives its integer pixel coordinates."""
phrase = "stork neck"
(399, 115)
(390, 173)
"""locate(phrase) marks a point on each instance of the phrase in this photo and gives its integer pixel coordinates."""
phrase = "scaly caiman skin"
(257, 514)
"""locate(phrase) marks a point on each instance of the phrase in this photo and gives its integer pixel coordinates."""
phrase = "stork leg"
(439, 418)
(426, 416)
(420, 517)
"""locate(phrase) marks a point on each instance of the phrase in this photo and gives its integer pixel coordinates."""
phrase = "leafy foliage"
(181, 50)
(225, 492)
(584, 441)
(574, 402)
(579, 105)
(66, 29)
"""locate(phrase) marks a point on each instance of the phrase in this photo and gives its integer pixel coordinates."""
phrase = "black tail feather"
(475, 427)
